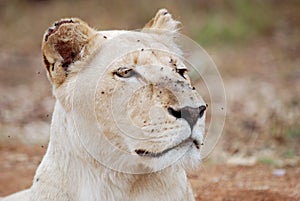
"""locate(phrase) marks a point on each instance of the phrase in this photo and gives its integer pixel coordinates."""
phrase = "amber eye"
(124, 72)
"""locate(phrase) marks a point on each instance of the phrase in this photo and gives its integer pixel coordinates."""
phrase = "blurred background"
(255, 45)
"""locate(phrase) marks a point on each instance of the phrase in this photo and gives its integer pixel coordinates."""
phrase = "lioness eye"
(124, 72)
(182, 72)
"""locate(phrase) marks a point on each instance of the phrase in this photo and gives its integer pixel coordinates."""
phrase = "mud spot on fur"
(135, 59)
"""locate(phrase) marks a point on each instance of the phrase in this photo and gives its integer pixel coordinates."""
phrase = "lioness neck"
(68, 172)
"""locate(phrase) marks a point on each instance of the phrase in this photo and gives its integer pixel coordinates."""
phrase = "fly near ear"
(163, 21)
(66, 42)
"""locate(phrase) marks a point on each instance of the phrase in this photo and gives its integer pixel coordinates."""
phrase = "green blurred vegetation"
(237, 21)
(294, 132)
(211, 23)
(266, 161)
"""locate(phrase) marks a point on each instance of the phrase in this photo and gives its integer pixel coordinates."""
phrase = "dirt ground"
(210, 183)
(256, 47)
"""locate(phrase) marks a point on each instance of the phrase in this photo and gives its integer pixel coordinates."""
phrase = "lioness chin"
(127, 121)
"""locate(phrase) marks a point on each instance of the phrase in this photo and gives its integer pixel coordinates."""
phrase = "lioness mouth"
(145, 153)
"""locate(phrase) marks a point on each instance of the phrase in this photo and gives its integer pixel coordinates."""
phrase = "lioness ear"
(163, 21)
(67, 41)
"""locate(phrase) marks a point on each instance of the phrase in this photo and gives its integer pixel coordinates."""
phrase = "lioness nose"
(190, 114)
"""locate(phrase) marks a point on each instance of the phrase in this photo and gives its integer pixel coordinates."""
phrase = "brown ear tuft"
(67, 41)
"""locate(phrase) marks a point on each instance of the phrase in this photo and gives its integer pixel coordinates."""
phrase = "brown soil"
(210, 182)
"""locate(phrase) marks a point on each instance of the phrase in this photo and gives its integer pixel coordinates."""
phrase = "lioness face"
(129, 89)
(153, 107)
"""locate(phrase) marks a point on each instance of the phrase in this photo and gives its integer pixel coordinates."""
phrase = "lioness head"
(127, 92)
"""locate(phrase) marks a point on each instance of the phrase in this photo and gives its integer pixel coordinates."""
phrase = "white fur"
(88, 157)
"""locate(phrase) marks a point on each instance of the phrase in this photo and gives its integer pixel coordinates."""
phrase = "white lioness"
(127, 123)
